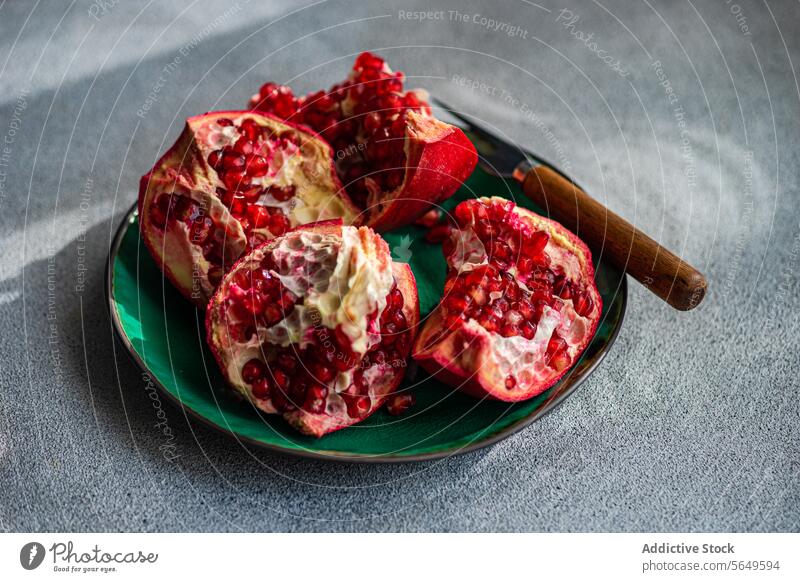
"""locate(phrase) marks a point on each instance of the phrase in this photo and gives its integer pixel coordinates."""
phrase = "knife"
(618, 241)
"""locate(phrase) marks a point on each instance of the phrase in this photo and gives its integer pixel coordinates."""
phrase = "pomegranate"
(315, 325)
(520, 303)
(393, 157)
(233, 180)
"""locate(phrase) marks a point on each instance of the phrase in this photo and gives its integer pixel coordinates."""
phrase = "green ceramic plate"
(165, 336)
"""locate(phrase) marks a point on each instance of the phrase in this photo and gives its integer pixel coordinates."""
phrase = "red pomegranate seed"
(322, 373)
(556, 344)
(272, 314)
(457, 303)
(259, 216)
(282, 194)
(278, 223)
(243, 279)
(536, 243)
(249, 129)
(509, 331)
(251, 195)
(232, 160)
(398, 404)
(243, 146)
(511, 381)
(234, 180)
(214, 159)
(279, 99)
(368, 60)
(257, 166)
(583, 304)
(253, 369)
(281, 379)
(238, 207)
(527, 330)
(261, 388)
(499, 250)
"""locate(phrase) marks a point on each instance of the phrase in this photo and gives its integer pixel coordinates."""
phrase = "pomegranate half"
(520, 303)
(315, 325)
(395, 159)
(233, 180)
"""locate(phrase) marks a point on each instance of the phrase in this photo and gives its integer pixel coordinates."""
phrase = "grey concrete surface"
(681, 116)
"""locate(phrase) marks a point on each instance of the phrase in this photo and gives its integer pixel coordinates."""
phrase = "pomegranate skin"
(184, 172)
(308, 423)
(440, 158)
(467, 357)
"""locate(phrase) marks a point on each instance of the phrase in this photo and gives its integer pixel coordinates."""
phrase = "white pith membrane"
(516, 356)
(306, 166)
(341, 280)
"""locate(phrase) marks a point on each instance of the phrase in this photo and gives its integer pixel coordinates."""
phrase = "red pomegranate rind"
(439, 158)
(232, 180)
(520, 303)
(393, 157)
(319, 374)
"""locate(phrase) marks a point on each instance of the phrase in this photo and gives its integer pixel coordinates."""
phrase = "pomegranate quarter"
(315, 325)
(233, 180)
(393, 157)
(520, 303)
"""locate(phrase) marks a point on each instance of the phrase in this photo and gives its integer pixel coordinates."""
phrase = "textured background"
(691, 423)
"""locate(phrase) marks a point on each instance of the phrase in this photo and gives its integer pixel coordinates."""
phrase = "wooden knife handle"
(620, 243)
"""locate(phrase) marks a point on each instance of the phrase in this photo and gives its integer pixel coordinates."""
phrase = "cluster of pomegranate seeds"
(257, 297)
(363, 118)
(303, 377)
(240, 167)
(509, 293)
(203, 232)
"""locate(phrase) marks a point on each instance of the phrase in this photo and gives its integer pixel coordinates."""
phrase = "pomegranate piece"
(520, 303)
(315, 325)
(233, 180)
(394, 158)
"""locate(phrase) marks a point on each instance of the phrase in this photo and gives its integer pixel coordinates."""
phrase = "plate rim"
(393, 458)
